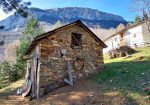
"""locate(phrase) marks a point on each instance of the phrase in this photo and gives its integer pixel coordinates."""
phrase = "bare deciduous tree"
(143, 7)
(17, 5)
(14, 5)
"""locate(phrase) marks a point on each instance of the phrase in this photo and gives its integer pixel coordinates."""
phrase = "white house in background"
(133, 36)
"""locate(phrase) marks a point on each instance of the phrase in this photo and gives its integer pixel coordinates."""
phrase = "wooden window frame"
(76, 40)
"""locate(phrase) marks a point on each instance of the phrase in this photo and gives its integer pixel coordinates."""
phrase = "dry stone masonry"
(48, 58)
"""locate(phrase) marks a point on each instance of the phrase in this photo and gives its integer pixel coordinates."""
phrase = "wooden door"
(34, 77)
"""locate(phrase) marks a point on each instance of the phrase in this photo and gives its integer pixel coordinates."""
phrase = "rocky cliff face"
(9, 42)
(82, 13)
(90, 17)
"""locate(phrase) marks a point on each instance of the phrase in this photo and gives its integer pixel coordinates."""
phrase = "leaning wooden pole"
(38, 78)
(69, 67)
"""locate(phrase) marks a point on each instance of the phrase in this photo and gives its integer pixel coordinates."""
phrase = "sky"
(118, 7)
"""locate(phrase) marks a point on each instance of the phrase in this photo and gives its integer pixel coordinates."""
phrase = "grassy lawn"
(127, 77)
(8, 94)
(10, 90)
(12, 87)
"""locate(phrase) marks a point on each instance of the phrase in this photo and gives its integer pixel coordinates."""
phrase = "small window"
(76, 39)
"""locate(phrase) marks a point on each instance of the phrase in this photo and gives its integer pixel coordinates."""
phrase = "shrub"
(31, 30)
(8, 72)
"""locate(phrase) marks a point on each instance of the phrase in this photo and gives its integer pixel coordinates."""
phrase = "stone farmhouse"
(63, 56)
(133, 36)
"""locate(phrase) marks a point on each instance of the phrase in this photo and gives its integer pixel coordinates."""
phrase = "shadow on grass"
(130, 101)
(148, 58)
(125, 77)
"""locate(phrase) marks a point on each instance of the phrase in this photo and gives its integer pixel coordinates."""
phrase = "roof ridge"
(34, 42)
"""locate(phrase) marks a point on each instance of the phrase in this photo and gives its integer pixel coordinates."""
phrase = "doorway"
(34, 77)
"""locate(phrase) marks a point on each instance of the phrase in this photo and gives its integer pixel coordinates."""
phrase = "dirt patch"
(83, 92)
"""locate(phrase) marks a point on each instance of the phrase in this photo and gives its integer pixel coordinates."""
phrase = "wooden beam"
(70, 79)
(38, 79)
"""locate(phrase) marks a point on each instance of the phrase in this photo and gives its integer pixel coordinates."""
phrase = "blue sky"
(118, 7)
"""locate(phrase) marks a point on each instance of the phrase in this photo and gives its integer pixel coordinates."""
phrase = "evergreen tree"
(5, 71)
(10, 71)
(128, 24)
(137, 20)
(57, 24)
(32, 29)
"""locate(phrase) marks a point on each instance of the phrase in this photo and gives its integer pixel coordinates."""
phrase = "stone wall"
(85, 60)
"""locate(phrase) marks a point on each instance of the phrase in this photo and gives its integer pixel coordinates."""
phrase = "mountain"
(14, 25)
(83, 13)
(90, 17)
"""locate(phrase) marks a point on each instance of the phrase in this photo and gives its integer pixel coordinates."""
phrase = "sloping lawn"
(8, 95)
(10, 90)
(127, 77)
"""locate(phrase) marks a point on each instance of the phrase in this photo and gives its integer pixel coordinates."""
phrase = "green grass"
(126, 75)
(12, 88)
(7, 91)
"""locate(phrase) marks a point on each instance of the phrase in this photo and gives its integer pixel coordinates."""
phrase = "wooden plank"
(27, 88)
(38, 79)
(70, 79)
(47, 46)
